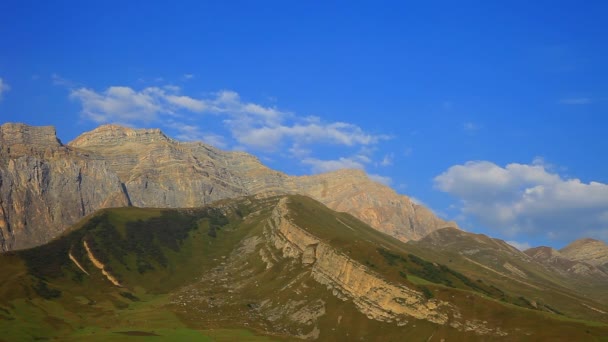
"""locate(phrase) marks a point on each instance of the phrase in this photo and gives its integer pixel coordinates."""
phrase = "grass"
(186, 277)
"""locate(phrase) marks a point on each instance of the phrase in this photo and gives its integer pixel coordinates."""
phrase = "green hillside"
(217, 273)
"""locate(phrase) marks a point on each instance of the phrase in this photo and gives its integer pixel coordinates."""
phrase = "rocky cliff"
(46, 186)
(348, 279)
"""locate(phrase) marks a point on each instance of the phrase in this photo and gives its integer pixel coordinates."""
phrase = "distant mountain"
(45, 186)
(565, 264)
(590, 251)
(262, 268)
(541, 274)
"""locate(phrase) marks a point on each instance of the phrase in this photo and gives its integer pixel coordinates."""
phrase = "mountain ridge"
(283, 267)
(114, 166)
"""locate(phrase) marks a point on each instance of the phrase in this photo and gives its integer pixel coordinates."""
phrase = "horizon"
(491, 115)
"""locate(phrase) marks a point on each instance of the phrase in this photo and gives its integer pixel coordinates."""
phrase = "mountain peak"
(22, 134)
(591, 251)
(542, 252)
(113, 134)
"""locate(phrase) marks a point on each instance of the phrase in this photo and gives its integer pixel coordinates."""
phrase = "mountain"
(590, 251)
(564, 264)
(45, 186)
(259, 268)
(541, 274)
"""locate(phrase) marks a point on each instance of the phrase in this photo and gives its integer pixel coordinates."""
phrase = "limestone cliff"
(46, 186)
(348, 279)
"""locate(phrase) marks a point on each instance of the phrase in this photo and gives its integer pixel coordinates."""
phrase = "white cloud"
(575, 101)
(527, 199)
(320, 166)
(298, 151)
(522, 246)
(193, 133)
(268, 137)
(121, 104)
(188, 76)
(4, 87)
(247, 125)
(387, 160)
(251, 125)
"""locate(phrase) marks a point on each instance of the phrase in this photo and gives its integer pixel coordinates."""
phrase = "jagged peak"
(24, 134)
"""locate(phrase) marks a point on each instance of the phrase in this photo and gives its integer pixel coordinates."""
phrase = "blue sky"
(493, 115)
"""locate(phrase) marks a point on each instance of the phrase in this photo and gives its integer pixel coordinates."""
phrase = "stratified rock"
(591, 251)
(378, 205)
(45, 186)
(116, 166)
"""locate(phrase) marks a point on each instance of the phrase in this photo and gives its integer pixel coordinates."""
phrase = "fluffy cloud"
(268, 137)
(125, 105)
(528, 199)
(193, 133)
(245, 125)
(4, 87)
(319, 166)
(250, 124)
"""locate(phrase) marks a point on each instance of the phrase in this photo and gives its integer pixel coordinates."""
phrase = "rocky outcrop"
(46, 186)
(347, 278)
(350, 280)
(590, 251)
(98, 264)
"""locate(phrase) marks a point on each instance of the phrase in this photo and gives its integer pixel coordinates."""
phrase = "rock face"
(348, 279)
(378, 205)
(46, 186)
(590, 251)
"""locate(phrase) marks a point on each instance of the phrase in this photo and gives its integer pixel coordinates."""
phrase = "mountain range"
(48, 186)
(126, 232)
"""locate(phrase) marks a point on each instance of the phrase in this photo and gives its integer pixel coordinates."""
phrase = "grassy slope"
(538, 285)
(151, 251)
(162, 255)
(478, 297)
